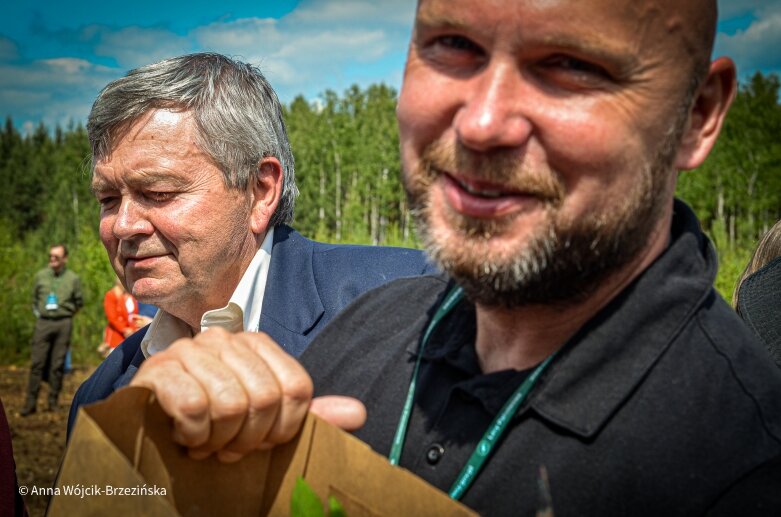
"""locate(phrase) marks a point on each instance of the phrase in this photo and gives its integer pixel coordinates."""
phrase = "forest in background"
(348, 170)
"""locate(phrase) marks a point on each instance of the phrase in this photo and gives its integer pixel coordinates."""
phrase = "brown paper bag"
(121, 460)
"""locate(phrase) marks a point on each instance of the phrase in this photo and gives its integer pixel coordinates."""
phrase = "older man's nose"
(131, 220)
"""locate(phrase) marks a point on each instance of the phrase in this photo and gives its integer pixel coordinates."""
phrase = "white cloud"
(54, 90)
(322, 44)
(400, 12)
(312, 48)
(69, 66)
(137, 46)
(239, 35)
(336, 46)
(754, 48)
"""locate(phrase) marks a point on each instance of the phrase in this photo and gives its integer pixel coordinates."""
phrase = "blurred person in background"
(757, 296)
(56, 299)
(121, 310)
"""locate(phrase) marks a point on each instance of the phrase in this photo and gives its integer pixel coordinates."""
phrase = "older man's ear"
(266, 193)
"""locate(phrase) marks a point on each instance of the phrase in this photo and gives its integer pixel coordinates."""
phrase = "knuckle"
(297, 388)
(188, 439)
(229, 405)
(268, 397)
(192, 405)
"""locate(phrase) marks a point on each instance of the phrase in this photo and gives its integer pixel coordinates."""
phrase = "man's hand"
(234, 393)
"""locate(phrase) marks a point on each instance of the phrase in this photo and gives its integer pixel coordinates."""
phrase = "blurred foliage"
(348, 171)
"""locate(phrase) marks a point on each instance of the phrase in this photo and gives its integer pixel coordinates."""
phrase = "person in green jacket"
(56, 298)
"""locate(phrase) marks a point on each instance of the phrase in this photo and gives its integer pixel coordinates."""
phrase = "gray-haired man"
(194, 175)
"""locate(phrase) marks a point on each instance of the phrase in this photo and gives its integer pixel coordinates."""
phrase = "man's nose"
(494, 111)
(132, 219)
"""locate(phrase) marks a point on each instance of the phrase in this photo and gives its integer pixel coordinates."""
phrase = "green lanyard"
(55, 282)
(495, 431)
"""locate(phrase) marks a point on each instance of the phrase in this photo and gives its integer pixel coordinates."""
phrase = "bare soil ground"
(39, 439)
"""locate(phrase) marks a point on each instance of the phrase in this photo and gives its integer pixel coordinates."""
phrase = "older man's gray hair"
(237, 113)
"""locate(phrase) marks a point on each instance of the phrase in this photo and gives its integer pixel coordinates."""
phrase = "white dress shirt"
(241, 313)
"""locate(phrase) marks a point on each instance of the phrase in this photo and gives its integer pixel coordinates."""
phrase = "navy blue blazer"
(308, 284)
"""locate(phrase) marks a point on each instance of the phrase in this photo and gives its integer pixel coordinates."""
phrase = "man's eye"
(452, 53)
(574, 65)
(158, 196)
(458, 43)
(107, 201)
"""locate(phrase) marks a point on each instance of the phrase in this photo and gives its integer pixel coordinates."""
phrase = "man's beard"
(564, 260)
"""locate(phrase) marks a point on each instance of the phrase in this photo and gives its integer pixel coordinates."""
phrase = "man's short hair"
(238, 116)
(59, 245)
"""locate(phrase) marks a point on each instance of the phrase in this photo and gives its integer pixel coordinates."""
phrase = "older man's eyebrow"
(148, 178)
(99, 186)
(142, 179)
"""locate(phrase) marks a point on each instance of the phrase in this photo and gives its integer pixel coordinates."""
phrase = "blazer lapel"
(291, 302)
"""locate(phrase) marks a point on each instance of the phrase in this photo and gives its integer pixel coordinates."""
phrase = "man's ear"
(707, 114)
(266, 192)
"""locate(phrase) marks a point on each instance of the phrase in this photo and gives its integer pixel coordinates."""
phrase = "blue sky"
(55, 56)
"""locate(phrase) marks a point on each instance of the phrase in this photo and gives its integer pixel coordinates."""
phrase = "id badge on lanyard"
(51, 302)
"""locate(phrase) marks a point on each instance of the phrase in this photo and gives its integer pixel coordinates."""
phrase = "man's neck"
(196, 308)
(522, 337)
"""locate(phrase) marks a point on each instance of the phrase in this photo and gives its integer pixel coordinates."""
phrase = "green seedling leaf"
(335, 508)
(305, 502)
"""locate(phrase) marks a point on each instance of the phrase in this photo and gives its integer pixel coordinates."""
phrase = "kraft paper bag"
(121, 460)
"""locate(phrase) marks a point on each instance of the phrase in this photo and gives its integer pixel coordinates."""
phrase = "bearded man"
(576, 342)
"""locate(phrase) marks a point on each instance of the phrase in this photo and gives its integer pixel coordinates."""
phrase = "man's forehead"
(159, 145)
(652, 28)
(435, 11)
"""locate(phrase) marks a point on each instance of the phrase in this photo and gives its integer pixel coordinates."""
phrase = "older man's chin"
(150, 290)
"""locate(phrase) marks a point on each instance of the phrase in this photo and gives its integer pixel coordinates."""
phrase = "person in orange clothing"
(122, 314)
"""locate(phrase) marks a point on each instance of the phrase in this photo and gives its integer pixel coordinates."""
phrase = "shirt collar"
(610, 356)
(607, 359)
(241, 313)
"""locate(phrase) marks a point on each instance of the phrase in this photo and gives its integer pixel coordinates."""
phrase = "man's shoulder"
(71, 275)
(357, 254)
(122, 362)
(748, 365)
(400, 303)
(388, 261)
(378, 327)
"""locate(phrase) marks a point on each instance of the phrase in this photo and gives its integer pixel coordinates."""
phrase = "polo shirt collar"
(600, 366)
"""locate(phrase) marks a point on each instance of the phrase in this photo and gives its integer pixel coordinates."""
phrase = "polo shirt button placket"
(434, 453)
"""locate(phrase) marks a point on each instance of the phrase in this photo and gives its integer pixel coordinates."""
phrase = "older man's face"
(538, 138)
(175, 234)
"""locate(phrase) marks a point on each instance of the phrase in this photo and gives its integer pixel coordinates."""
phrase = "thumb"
(346, 413)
